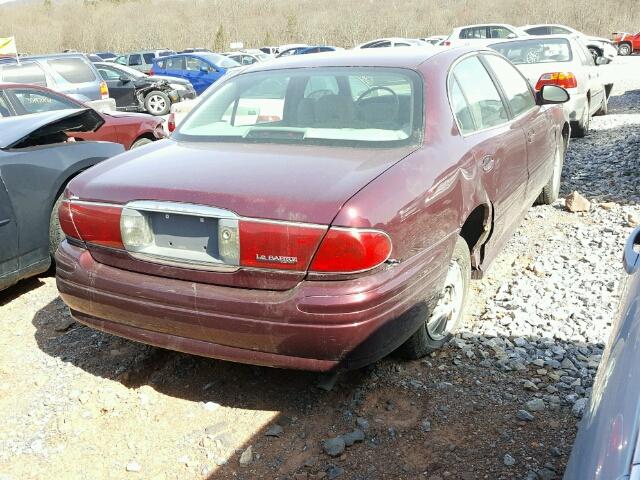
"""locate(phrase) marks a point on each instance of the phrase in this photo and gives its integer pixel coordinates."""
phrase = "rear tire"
(604, 107)
(581, 129)
(56, 235)
(551, 190)
(140, 142)
(624, 49)
(157, 103)
(442, 321)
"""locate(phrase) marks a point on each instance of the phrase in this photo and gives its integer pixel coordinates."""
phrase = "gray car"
(142, 60)
(607, 445)
(69, 73)
(36, 163)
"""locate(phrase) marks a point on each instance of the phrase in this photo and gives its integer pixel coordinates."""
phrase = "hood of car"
(28, 130)
(282, 182)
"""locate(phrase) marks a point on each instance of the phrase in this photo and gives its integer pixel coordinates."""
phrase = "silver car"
(69, 73)
(562, 60)
(607, 446)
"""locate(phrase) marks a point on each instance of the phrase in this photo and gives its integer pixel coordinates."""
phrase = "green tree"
(220, 41)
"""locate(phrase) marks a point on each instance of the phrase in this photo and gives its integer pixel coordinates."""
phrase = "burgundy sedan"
(128, 129)
(315, 213)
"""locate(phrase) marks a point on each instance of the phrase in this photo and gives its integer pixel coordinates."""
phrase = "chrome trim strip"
(180, 209)
(175, 262)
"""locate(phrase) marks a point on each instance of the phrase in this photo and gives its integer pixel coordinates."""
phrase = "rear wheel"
(157, 103)
(551, 190)
(581, 129)
(56, 235)
(624, 49)
(604, 107)
(445, 317)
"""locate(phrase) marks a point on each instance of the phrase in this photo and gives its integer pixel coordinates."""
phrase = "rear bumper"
(314, 326)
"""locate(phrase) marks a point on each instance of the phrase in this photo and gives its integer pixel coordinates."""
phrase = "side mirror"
(124, 79)
(602, 61)
(205, 69)
(551, 95)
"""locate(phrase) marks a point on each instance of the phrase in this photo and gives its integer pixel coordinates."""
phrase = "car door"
(174, 67)
(8, 237)
(200, 73)
(497, 145)
(121, 87)
(531, 118)
(594, 82)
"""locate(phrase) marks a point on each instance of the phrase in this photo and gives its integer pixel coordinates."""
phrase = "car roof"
(401, 57)
(547, 25)
(534, 38)
(54, 55)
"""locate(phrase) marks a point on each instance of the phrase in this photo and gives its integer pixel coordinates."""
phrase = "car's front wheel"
(56, 235)
(624, 49)
(443, 320)
(551, 190)
(157, 103)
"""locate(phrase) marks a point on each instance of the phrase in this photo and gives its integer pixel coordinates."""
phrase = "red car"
(627, 43)
(316, 212)
(129, 129)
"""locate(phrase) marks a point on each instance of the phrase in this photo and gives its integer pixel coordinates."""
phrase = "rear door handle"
(487, 163)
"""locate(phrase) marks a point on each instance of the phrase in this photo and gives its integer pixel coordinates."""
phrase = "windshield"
(329, 106)
(219, 60)
(547, 50)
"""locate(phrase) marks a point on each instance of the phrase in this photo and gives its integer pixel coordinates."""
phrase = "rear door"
(531, 118)
(76, 77)
(497, 144)
(135, 61)
(8, 237)
(174, 67)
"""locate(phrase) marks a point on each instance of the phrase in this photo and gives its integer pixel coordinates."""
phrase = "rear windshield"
(327, 106)
(219, 60)
(547, 50)
(73, 70)
(26, 72)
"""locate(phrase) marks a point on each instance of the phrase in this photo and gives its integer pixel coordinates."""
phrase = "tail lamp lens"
(346, 250)
(92, 223)
(278, 245)
(228, 241)
(561, 79)
(171, 122)
(135, 230)
(104, 90)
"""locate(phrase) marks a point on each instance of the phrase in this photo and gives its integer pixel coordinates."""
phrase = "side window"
(24, 73)
(122, 60)
(465, 33)
(161, 64)
(261, 103)
(73, 70)
(381, 45)
(515, 87)
(460, 107)
(479, 32)
(34, 101)
(538, 31)
(175, 63)
(482, 96)
(246, 60)
(135, 59)
(560, 30)
(148, 57)
(500, 32)
(320, 85)
(109, 74)
(195, 64)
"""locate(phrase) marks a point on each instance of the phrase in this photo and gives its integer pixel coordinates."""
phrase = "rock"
(633, 220)
(353, 437)
(334, 446)
(524, 415)
(274, 431)
(574, 202)
(508, 460)
(555, 452)
(64, 324)
(247, 456)
(529, 385)
(362, 423)
(579, 407)
(211, 406)
(425, 425)
(535, 405)
(133, 466)
(607, 205)
(334, 472)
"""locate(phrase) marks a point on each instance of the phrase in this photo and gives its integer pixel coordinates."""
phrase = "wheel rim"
(157, 104)
(624, 50)
(449, 306)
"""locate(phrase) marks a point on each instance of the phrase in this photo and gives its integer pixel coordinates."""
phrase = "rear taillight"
(104, 90)
(92, 223)
(446, 43)
(349, 250)
(171, 122)
(240, 242)
(561, 79)
(151, 72)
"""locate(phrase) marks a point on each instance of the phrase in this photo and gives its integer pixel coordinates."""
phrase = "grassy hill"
(120, 25)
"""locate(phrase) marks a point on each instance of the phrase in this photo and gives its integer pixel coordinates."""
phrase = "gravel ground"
(502, 401)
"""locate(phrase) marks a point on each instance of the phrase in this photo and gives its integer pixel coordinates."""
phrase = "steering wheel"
(316, 94)
(394, 95)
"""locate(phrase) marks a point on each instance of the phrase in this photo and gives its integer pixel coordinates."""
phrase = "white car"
(482, 34)
(598, 46)
(249, 57)
(435, 39)
(562, 60)
(394, 42)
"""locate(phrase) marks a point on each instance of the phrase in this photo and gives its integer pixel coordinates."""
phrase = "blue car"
(201, 69)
